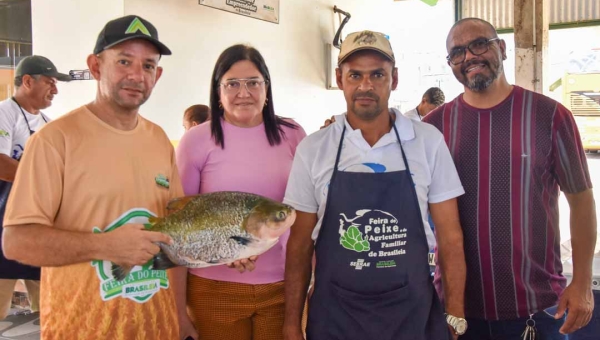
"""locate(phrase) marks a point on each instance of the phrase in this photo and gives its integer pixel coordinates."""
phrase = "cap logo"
(137, 25)
(365, 38)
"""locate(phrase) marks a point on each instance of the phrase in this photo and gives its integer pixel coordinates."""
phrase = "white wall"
(65, 31)
(294, 50)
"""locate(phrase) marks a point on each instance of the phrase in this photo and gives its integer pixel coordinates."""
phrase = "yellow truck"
(581, 95)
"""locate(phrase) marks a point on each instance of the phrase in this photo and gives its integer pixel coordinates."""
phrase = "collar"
(403, 124)
(418, 113)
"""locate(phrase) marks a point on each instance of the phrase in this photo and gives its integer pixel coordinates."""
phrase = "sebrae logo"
(359, 264)
(142, 283)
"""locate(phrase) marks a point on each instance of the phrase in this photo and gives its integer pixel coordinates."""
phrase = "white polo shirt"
(413, 114)
(428, 157)
(14, 132)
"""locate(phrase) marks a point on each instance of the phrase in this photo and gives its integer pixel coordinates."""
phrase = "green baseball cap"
(38, 65)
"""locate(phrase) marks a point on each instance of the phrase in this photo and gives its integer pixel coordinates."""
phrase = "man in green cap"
(20, 116)
(106, 170)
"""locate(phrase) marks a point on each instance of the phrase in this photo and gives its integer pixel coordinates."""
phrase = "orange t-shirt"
(81, 174)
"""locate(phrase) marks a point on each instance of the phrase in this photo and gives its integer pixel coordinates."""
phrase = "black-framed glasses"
(476, 47)
(234, 86)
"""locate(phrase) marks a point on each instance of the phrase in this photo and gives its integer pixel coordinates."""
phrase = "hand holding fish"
(131, 245)
(244, 264)
(219, 228)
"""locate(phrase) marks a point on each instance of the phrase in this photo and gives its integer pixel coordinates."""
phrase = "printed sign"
(267, 10)
(375, 234)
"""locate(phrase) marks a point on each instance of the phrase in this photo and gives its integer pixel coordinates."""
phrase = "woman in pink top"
(245, 147)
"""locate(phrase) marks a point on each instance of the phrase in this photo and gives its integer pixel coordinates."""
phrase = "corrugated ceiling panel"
(500, 12)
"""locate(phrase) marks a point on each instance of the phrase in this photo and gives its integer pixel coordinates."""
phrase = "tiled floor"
(20, 326)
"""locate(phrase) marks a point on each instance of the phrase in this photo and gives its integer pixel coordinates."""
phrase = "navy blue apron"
(372, 277)
(11, 269)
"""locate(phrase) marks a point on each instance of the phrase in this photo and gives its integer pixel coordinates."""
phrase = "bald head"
(476, 25)
(475, 54)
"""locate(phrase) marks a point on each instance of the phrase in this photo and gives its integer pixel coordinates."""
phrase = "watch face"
(461, 328)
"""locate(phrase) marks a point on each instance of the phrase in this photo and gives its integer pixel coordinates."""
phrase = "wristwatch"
(459, 324)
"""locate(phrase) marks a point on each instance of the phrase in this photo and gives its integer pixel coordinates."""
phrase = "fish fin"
(161, 262)
(120, 272)
(178, 203)
(241, 240)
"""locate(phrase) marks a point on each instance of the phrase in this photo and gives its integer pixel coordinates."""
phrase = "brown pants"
(227, 310)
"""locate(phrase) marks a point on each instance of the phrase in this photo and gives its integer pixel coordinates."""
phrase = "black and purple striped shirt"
(512, 159)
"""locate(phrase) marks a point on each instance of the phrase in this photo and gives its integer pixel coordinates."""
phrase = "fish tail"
(120, 272)
(161, 262)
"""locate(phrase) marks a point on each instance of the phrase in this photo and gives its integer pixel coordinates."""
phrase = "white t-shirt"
(413, 114)
(13, 128)
(428, 157)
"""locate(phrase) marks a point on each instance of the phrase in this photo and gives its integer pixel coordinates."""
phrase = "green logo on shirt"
(142, 283)
(162, 180)
(4, 133)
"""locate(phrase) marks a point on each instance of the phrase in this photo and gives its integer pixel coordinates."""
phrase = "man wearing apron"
(20, 117)
(362, 187)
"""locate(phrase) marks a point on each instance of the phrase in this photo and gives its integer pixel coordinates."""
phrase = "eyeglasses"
(234, 86)
(476, 47)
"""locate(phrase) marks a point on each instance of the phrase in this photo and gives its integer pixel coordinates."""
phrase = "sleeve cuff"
(446, 195)
(27, 221)
(300, 206)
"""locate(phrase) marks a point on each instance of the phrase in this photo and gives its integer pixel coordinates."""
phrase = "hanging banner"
(267, 10)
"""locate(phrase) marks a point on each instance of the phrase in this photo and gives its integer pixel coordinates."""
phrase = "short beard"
(366, 114)
(480, 82)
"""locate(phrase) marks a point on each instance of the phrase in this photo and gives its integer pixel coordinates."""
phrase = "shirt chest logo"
(162, 180)
(143, 282)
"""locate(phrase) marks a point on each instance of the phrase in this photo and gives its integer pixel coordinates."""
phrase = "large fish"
(217, 228)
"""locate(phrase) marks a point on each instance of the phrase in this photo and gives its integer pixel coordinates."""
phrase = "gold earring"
(220, 105)
(266, 101)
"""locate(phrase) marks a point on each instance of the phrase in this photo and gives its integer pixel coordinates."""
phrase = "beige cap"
(366, 40)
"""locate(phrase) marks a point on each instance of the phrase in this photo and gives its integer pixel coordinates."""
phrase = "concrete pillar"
(531, 23)
(65, 31)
